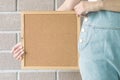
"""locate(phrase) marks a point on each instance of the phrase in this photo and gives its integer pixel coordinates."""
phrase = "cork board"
(50, 40)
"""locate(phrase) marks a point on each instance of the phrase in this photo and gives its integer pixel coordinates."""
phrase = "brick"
(8, 76)
(59, 2)
(37, 76)
(26, 5)
(69, 76)
(7, 62)
(7, 5)
(7, 41)
(10, 21)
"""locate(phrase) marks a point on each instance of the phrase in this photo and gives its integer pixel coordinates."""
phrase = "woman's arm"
(87, 6)
(68, 5)
(111, 5)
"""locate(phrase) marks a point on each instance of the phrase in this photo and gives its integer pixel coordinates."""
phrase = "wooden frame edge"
(78, 34)
(52, 68)
(22, 37)
(48, 12)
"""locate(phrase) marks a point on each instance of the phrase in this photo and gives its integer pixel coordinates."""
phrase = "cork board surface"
(50, 40)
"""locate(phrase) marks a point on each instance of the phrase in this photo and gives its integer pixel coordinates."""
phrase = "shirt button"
(81, 40)
(82, 30)
(85, 19)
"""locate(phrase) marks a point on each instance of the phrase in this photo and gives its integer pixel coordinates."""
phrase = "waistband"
(99, 27)
(103, 19)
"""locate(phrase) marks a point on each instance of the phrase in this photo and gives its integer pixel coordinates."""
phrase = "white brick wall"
(10, 22)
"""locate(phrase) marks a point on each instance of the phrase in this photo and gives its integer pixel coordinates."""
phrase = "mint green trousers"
(99, 49)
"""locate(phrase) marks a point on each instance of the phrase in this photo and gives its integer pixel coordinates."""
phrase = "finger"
(75, 7)
(20, 59)
(76, 11)
(79, 12)
(18, 49)
(15, 47)
(16, 54)
(20, 55)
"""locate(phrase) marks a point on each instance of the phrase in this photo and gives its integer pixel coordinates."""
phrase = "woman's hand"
(18, 51)
(84, 7)
(68, 5)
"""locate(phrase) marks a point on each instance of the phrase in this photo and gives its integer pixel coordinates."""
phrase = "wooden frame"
(23, 63)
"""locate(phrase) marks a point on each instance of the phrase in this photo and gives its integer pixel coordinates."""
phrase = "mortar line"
(5, 71)
(57, 75)
(68, 70)
(9, 71)
(55, 4)
(5, 51)
(18, 76)
(9, 32)
(10, 12)
(18, 37)
(16, 6)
